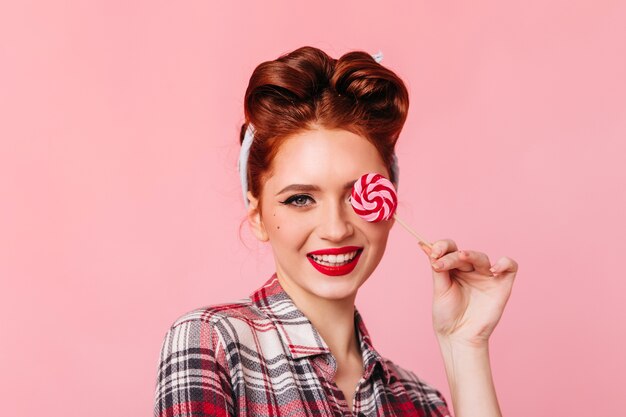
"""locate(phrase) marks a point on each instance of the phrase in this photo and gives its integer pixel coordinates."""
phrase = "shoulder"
(195, 368)
(215, 323)
(241, 309)
(419, 390)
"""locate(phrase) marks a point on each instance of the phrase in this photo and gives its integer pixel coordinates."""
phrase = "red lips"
(340, 269)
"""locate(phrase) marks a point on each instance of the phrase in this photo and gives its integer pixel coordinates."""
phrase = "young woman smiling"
(297, 346)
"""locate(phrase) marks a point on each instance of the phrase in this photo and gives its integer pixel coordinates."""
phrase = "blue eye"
(298, 200)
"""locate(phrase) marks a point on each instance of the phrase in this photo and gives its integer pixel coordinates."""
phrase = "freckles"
(278, 227)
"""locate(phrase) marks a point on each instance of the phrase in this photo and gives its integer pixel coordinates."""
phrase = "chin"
(334, 287)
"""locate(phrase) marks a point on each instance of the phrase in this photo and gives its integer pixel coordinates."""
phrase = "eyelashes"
(298, 199)
(303, 200)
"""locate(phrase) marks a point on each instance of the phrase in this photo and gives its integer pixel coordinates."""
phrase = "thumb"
(425, 248)
(441, 279)
(441, 282)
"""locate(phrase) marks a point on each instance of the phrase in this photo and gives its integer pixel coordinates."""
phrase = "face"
(306, 208)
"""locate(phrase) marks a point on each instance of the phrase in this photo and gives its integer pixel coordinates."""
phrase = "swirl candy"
(374, 197)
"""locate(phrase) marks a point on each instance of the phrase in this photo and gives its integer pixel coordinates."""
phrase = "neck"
(333, 319)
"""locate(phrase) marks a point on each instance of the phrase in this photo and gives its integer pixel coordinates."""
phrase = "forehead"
(324, 156)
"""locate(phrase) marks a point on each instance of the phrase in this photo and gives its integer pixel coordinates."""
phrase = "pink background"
(120, 203)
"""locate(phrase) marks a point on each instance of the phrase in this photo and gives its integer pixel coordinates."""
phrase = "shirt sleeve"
(440, 407)
(429, 398)
(193, 377)
(425, 397)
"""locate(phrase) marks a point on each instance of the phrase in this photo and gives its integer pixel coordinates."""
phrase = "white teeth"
(334, 260)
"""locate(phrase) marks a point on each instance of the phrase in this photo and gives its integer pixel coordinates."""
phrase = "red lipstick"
(342, 269)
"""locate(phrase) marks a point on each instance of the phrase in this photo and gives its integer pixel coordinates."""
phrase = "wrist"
(459, 343)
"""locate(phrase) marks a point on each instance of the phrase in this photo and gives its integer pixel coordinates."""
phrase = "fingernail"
(437, 265)
(493, 269)
(434, 254)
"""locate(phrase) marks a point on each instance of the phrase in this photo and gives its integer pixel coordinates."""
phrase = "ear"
(254, 218)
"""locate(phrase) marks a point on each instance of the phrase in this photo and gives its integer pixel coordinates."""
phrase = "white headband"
(247, 143)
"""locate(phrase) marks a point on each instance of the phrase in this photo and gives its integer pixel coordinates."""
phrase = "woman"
(298, 346)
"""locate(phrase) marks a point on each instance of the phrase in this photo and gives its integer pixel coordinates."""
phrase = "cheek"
(377, 233)
(377, 240)
(274, 224)
(286, 230)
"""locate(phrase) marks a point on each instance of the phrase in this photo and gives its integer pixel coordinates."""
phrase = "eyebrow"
(310, 187)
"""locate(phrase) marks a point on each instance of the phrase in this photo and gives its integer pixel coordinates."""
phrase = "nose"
(335, 224)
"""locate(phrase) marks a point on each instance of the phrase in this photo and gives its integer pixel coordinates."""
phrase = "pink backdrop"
(120, 204)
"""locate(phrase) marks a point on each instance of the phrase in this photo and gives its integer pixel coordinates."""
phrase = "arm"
(469, 296)
(469, 378)
(193, 377)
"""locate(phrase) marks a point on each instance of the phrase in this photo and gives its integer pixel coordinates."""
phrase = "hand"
(469, 297)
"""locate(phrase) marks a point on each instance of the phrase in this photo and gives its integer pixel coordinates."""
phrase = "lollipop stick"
(411, 231)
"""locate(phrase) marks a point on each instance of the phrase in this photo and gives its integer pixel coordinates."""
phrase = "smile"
(335, 261)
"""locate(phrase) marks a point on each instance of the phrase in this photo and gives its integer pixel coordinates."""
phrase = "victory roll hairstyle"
(305, 90)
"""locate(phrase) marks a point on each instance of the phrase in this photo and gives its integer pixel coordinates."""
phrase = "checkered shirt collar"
(300, 336)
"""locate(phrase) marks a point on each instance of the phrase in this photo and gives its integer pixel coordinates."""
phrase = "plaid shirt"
(261, 356)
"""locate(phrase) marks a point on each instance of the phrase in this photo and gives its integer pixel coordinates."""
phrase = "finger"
(427, 250)
(479, 260)
(441, 280)
(505, 265)
(452, 261)
(441, 247)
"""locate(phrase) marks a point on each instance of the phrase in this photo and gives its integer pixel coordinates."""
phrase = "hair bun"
(284, 90)
(307, 88)
(380, 93)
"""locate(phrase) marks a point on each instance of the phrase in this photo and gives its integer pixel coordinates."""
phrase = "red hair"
(306, 89)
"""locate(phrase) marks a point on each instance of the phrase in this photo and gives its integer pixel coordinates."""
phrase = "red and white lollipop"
(374, 198)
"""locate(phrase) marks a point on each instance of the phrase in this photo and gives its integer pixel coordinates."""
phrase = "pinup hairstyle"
(306, 89)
